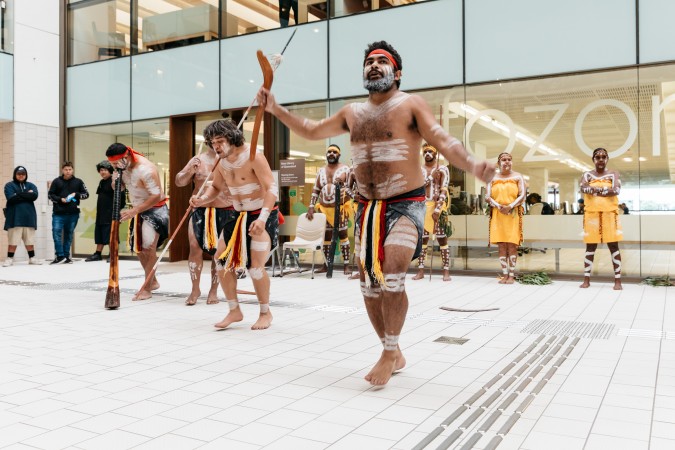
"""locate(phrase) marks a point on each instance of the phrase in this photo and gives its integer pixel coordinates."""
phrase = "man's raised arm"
(448, 146)
(308, 129)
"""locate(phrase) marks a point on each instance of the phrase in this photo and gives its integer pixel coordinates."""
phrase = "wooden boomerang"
(268, 78)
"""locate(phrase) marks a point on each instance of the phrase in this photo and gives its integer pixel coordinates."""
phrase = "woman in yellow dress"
(505, 195)
(601, 188)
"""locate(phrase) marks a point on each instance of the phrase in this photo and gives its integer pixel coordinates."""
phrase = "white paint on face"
(382, 84)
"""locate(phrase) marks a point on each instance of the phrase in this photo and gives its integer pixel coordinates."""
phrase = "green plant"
(536, 278)
(663, 280)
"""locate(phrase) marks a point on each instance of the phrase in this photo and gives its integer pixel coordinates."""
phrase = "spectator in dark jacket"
(65, 193)
(535, 198)
(104, 209)
(20, 215)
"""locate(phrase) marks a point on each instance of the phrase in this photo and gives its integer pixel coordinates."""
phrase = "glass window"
(151, 138)
(244, 17)
(7, 26)
(341, 8)
(98, 30)
(169, 24)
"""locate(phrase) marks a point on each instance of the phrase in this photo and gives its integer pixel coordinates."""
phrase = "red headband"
(386, 54)
(130, 151)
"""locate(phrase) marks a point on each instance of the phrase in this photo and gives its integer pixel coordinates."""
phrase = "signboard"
(292, 172)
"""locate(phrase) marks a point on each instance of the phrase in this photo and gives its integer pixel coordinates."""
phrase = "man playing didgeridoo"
(323, 193)
(601, 188)
(436, 181)
(249, 236)
(206, 222)
(386, 132)
(149, 226)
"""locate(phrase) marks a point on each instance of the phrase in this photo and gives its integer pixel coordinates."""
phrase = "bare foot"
(502, 280)
(586, 283)
(154, 286)
(212, 299)
(617, 285)
(233, 316)
(510, 280)
(264, 321)
(381, 372)
(323, 269)
(446, 275)
(192, 299)
(354, 276)
(142, 295)
(420, 275)
(346, 270)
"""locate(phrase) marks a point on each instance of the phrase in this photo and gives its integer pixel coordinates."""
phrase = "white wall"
(36, 62)
(6, 86)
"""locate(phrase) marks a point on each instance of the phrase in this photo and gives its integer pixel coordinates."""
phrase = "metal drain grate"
(590, 330)
(451, 340)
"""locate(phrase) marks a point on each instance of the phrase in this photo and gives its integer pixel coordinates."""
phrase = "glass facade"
(549, 123)
(103, 29)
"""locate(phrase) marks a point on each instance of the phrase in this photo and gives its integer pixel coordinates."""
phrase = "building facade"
(547, 81)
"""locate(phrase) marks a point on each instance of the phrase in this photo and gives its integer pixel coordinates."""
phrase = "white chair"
(309, 235)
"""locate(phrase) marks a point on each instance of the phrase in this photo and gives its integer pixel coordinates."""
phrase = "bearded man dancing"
(436, 181)
(324, 192)
(386, 132)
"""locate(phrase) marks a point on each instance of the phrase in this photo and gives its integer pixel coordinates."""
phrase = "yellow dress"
(601, 218)
(506, 227)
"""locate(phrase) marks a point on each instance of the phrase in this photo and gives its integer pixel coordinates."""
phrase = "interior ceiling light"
(642, 158)
(628, 159)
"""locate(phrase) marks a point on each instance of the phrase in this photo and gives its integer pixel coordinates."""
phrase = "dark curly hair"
(105, 164)
(384, 45)
(225, 128)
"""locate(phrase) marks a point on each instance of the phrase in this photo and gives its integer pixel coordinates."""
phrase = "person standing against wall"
(20, 215)
(65, 193)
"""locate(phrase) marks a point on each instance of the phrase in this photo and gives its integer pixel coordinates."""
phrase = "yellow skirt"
(602, 227)
(346, 212)
(506, 227)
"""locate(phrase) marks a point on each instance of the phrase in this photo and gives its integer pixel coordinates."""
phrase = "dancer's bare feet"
(192, 299)
(446, 275)
(586, 283)
(510, 280)
(212, 299)
(419, 275)
(155, 285)
(235, 315)
(346, 270)
(502, 280)
(142, 295)
(323, 269)
(264, 321)
(389, 362)
(617, 285)
(354, 276)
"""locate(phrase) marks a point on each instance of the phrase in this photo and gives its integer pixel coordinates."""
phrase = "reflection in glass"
(98, 30)
(7, 26)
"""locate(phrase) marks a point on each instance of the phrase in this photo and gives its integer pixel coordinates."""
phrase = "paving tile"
(317, 430)
(601, 442)
(60, 438)
(113, 440)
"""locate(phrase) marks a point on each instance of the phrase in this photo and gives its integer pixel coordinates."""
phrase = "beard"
(381, 84)
(332, 159)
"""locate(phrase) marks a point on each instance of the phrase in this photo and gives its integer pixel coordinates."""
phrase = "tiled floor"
(156, 374)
